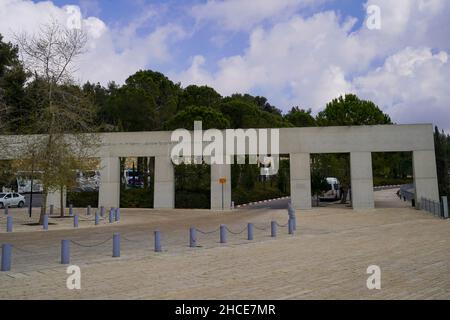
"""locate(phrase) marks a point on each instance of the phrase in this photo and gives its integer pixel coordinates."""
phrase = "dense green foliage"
(149, 101)
(442, 145)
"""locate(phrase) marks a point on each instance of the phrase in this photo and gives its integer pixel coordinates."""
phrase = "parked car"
(11, 199)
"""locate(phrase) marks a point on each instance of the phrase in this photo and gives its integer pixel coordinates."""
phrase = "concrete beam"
(361, 180)
(425, 175)
(220, 171)
(109, 191)
(164, 197)
(300, 170)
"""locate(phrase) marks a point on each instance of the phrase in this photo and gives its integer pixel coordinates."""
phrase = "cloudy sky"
(294, 52)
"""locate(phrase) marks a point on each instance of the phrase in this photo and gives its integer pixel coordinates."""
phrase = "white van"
(333, 191)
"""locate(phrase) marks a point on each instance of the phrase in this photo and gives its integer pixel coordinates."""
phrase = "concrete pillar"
(361, 180)
(54, 198)
(164, 196)
(425, 175)
(109, 190)
(220, 171)
(300, 169)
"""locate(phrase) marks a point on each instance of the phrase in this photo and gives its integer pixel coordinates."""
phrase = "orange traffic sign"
(222, 180)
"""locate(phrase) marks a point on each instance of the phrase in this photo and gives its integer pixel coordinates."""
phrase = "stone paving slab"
(327, 258)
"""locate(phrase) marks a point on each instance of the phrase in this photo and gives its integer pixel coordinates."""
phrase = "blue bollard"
(75, 221)
(97, 218)
(51, 209)
(157, 241)
(6, 210)
(9, 224)
(102, 211)
(88, 210)
(65, 251)
(116, 245)
(250, 231)
(223, 234)
(192, 237)
(6, 257)
(291, 226)
(71, 210)
(117, 214)
(273, 229)
(45, 223)
(111, 216)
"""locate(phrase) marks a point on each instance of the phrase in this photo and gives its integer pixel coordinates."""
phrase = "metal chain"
(207, 232)
(282, 226)
(235, 232)
(130, 240)
(90, 246)
(261, 228)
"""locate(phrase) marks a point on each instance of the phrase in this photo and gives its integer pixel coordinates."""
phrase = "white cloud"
(308, 61)
(412, 85)
(244, 14)
(113, 53)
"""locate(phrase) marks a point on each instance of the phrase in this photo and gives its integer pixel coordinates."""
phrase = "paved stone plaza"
(326, 258)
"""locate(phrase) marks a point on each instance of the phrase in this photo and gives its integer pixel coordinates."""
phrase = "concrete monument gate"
(299, 143)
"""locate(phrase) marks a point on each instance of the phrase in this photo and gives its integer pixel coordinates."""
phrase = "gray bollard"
(51, 209)
(117, 214)
(6, 257)
(45, 222)
(111, 216)
(157, 241)
(97, 218)
(273, 229)
(102, 211)
(250, 231)
(6, 210)
(71, 210)
(223, 234)
(88, 210)
(116, 245)
(192, 237)
(65, 251)
(291, 226)
(445, 206)
(75, 221)
(9, 224)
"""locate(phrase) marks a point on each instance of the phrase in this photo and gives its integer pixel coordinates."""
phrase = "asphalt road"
(275, 204)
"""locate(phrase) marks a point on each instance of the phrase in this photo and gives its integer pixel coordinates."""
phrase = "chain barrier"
(207, 232)
(283, 225)
(130, 240)
(240, 232)
(90, 245)
(261, 228)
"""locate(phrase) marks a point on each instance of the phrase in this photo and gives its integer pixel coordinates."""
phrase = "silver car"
(11, 199)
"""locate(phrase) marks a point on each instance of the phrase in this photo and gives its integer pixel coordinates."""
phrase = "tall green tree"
(13, 111)
(349, 110)
(300, 117)
(442, 148)
(198, 96)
